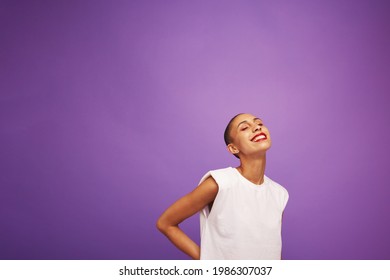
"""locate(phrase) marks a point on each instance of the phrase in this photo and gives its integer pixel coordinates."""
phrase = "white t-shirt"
(245, 221)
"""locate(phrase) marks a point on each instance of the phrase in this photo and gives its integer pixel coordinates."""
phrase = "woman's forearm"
(183, 208)
(181, 241)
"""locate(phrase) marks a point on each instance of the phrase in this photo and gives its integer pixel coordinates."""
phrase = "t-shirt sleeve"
(285, 198)
(223, 178)
(220, 176)
(208, 174)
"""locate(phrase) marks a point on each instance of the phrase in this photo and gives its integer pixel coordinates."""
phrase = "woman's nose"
(257, 127)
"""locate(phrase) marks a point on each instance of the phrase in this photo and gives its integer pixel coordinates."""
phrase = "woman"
(241, 208)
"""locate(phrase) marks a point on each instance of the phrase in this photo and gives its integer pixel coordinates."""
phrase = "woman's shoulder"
(275, 185)
(221, 176)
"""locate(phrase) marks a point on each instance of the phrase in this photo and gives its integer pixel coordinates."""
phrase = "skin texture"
(252, 166)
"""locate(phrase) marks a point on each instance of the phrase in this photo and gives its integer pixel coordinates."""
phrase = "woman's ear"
(232, 149)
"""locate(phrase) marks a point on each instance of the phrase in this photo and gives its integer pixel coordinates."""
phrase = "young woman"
(240, 208)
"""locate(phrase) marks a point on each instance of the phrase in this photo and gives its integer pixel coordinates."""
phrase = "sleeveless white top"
(245, 220)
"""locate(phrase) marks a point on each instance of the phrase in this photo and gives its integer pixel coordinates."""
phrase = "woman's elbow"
(161, 225)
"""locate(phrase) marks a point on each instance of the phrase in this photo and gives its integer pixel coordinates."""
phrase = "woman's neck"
(253, 169)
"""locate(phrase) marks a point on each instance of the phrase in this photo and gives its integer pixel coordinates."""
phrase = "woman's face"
(249, 136)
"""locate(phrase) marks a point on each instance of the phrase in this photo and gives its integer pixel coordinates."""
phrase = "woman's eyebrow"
(255, 119)
(241, 123)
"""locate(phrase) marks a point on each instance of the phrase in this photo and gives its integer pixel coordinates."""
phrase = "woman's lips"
(259, 137)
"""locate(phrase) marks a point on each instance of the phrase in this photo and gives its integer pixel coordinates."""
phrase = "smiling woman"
(240, 208)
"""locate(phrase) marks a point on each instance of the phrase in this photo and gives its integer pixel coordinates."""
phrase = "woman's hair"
(228, 139)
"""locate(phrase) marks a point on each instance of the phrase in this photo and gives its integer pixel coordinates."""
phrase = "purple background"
(112, 110)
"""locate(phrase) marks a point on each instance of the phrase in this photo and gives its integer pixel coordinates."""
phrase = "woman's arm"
(185, 207)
